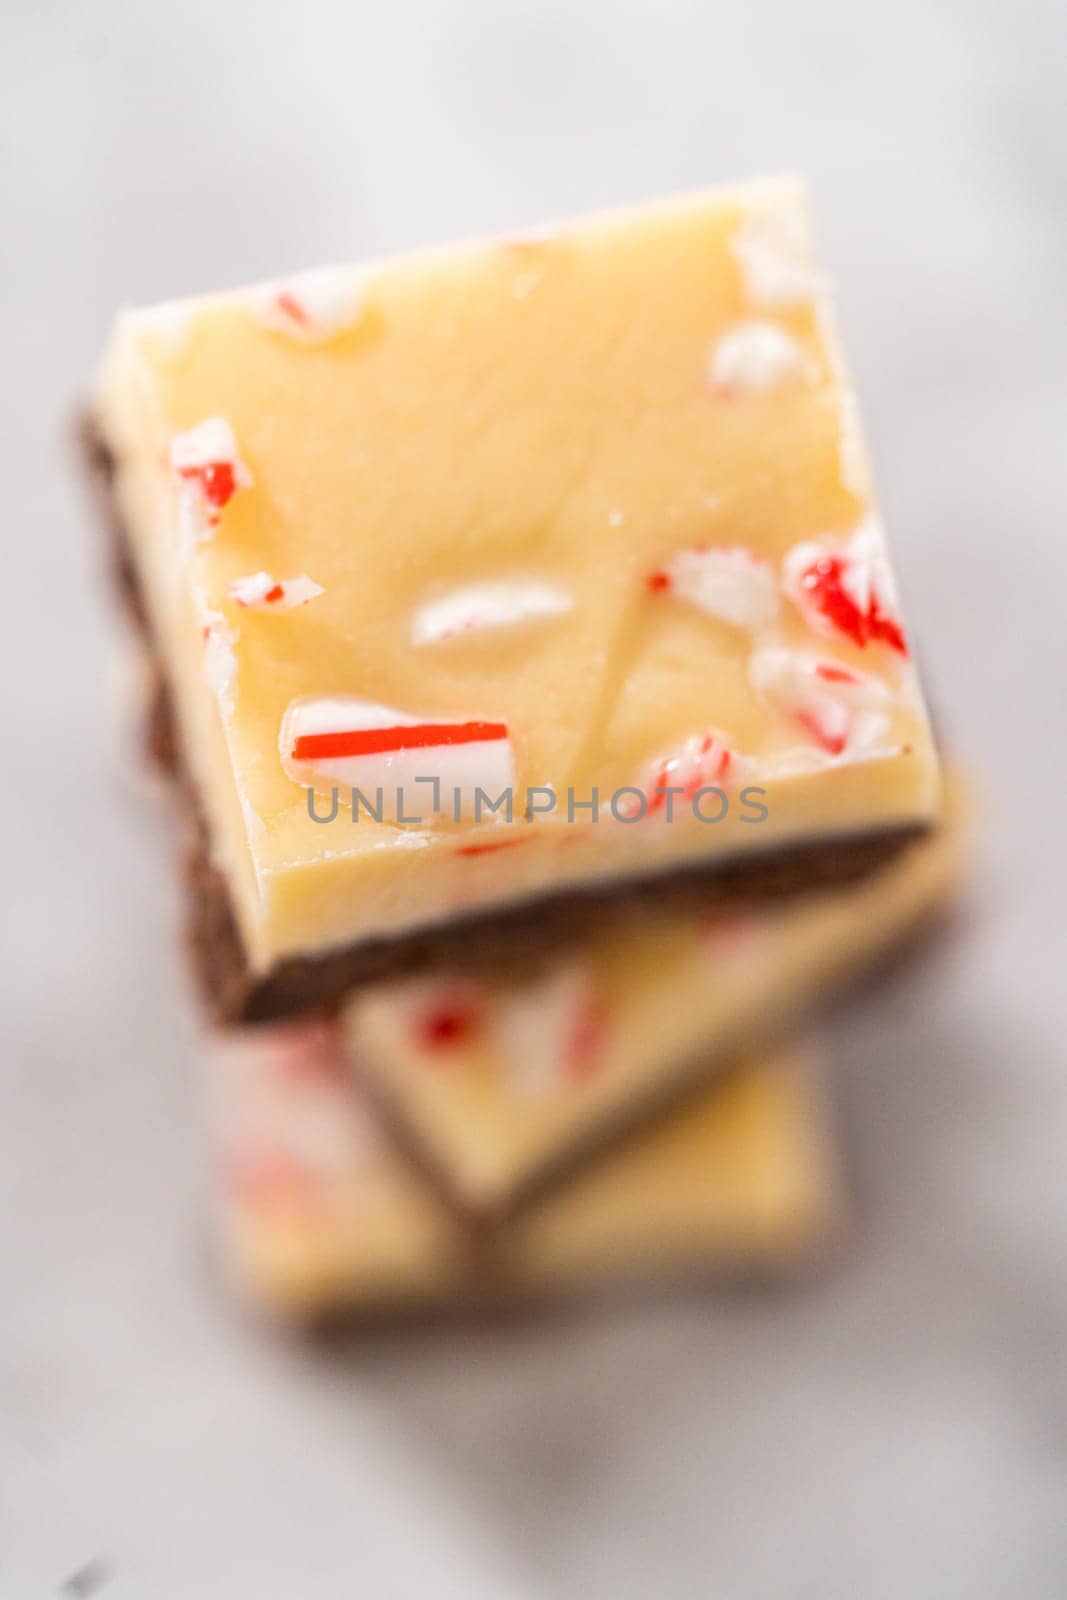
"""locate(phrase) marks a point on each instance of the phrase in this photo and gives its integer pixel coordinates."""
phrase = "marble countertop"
(896, 1426)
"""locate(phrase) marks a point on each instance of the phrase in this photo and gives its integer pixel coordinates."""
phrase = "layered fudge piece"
(314, 1212)
(499, 1084)
(505, 574)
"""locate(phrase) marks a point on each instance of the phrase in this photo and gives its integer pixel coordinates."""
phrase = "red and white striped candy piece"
(369, 747)
(210, 471)
(703, 761)
(731, 584)
(756, 357)
(314, 306)
(487, 605)
(261, 592)
(842, 710)
(845, 586)
(551, 1033)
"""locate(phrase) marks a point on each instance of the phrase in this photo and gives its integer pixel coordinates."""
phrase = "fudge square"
(314, 1214)
(579, 518)
(502, 1083)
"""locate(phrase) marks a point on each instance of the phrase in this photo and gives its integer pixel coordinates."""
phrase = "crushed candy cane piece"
(756, 357)
(261, 592)
(220, 661)
(846, 586)
(733, 585)
(487, 605)
(210, 471)
(552, 1032)
(773, 249)
(703, 761)
(412, 769)
(284, 1121)
(841, 710)
(314, 306)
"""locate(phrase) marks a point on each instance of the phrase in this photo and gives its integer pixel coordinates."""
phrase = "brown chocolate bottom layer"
(502, 941)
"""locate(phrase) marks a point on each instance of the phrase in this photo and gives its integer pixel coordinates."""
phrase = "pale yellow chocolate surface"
(498, 1081)
(564, 418)
(314, 1212)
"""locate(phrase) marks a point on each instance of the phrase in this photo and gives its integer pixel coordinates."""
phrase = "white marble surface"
(897, 1428)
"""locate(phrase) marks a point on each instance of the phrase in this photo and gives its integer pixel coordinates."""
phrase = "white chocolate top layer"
(521, 513)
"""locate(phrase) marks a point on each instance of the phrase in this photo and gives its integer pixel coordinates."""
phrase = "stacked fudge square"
(529, 667)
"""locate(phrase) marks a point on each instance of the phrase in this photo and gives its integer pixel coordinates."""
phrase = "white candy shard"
(487, 605)
(773, 249)
(414, 768)
(261, 592)
(756, 357)
(210, 444)
(210, 471)
(284, 1121)
(168, 326)
(314, 306)
(732, 584)
(842, 710)
(846, 586)
(220, 662)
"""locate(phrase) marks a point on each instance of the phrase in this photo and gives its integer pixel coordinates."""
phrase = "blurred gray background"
(896, 1426)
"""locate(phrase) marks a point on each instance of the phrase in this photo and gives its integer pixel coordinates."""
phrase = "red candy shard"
(290, 305)
(216, 481)
(657, 581)
(205, 459)
(412, 736)
(833, 743)
(835, 674)
(823, 584)
(490, 846)
(447, 1022)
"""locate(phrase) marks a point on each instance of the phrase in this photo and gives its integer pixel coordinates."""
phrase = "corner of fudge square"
(508, 577)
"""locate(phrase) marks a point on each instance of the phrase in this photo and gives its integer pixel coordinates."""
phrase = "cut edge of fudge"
(900, 909)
